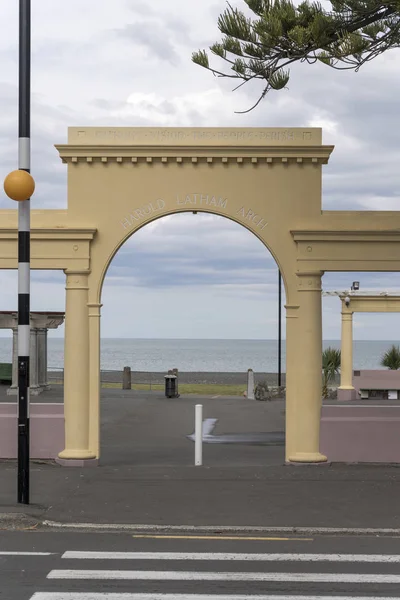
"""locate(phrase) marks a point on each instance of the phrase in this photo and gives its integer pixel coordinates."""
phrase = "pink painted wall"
(356, 433)
(47, 430)
(379, 377)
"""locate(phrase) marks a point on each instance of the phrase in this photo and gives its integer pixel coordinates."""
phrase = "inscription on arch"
(201, 200)
(250, 215)
(141, 213)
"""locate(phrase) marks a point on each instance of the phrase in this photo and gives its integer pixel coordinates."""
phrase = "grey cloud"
(151, 36)
(182, 251)
(50, 174)
(140, 8)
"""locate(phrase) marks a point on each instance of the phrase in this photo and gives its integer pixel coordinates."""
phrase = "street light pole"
(24, 164)
(19, 186)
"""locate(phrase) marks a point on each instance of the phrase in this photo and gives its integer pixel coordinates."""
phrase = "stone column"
(250, 384)
(34, 389)
(346, 390)
(76, 369)
(304, 372)
(94, 370)
(12, 391)
(42, 358)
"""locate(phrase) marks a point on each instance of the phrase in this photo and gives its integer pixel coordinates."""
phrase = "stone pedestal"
(40, 323)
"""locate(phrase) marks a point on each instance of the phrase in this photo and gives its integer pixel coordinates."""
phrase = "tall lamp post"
(19, 185)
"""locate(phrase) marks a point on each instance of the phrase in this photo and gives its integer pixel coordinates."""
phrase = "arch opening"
(206, 283)
(215, 213)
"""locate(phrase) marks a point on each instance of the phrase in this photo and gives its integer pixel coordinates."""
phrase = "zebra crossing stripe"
(128, 596)
(26, 553)
(224, 576)
(222, 556)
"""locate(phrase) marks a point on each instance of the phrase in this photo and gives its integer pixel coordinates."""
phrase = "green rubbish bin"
(170, 386)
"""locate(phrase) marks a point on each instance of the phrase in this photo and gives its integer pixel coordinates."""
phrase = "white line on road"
(26, 553)
(356, 558)
(127, 596)
(224, 576)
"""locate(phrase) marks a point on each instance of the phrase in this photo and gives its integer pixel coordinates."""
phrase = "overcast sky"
(128, 63)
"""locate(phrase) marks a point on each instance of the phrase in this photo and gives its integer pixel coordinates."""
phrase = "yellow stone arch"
(268, 180)
(263, 179)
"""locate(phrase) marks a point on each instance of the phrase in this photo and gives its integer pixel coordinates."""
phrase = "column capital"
(347, 316)
(292, 311)
(77, 280)
(94, 309)
(75, 272)
(309, 281)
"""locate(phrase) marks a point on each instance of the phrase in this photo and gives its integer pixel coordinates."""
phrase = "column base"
(307, 458)
(33, 391)
(76, 462)
(346, 394)
(76, 454)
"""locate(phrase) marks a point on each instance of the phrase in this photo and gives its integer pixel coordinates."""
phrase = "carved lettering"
(201, 200)
(141, 213)
(165, 136)
(254, 218)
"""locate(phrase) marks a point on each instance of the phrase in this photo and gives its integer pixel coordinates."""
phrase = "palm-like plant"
(331, 358)
(391, 358)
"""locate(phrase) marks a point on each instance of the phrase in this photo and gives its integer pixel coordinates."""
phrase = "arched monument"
(268, 180)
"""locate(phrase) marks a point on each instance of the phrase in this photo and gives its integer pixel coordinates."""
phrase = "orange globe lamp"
(19, 185)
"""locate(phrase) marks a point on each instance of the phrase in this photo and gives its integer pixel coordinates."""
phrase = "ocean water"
(198, 355)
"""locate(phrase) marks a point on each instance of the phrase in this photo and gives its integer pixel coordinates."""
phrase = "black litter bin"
(170, 386)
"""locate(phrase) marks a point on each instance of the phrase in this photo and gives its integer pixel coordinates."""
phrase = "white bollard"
(198, 436)
(250, 384)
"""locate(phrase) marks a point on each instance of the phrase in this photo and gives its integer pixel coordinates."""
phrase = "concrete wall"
(379, 378)
(356, 433)
(47, 430)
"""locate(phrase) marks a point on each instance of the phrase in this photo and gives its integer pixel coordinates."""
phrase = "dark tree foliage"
(345, 36)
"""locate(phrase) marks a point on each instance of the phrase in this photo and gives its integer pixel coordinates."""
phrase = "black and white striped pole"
(19, 185)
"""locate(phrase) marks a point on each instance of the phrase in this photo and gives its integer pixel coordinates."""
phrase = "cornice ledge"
(338, 234)
(71, 153)
(87, 233)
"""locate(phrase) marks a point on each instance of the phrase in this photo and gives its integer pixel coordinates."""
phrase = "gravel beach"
(188, 377)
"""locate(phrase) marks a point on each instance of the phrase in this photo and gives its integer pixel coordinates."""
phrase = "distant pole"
(24, 164)
(198, 436)
(279, 329)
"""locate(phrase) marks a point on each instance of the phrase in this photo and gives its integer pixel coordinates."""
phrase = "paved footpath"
(270, 496)
(147, 475)
(92, 566)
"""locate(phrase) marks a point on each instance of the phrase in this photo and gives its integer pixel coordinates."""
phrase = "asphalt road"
(98, 566)
(150, 430)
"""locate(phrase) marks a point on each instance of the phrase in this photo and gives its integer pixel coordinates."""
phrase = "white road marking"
(26, 553)
(224, 576)
(220, 556)
(127, 596)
